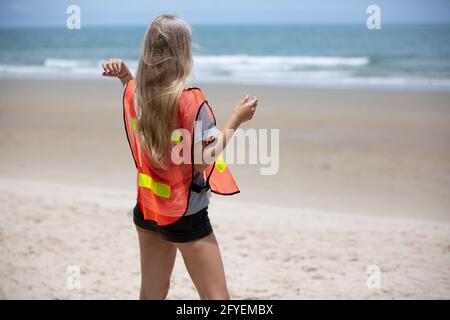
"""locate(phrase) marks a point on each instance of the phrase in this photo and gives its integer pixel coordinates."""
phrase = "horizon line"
(11, 26)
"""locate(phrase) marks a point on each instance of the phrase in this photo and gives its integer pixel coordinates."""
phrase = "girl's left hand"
(114, 68)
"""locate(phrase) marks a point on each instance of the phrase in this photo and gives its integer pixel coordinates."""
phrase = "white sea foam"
(275, 70)
(284, 62)
(64, 63)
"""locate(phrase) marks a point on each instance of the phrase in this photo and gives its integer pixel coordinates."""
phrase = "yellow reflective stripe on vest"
(160, 189)
(176, 137)
(220, 164)
(133, 124)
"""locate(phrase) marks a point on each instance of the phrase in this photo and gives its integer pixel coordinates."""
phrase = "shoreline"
(302, 86)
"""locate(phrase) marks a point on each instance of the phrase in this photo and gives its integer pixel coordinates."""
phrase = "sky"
(20, 13)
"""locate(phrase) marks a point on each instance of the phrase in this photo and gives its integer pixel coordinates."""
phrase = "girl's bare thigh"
(204, 264)
(157, 261)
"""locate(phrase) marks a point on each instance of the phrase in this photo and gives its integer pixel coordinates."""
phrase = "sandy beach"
(364, 180)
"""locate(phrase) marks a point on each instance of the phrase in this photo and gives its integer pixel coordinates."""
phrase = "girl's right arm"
(118, 69)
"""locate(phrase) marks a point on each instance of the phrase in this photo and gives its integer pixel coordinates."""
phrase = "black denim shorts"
(187, 228)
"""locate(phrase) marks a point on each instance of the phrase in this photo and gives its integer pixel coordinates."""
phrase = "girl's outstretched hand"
(115, 68)
(245, 109)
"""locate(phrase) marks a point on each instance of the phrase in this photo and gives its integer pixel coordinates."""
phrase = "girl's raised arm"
(118, 69)
(243, 112)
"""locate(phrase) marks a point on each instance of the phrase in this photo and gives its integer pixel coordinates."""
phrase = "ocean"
(397, 56)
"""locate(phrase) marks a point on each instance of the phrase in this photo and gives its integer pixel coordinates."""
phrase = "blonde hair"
(162, 75)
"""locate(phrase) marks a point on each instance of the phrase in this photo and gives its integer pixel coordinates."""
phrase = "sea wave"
(272, 70)
(205, 67)
(65, 63)
(281, 61)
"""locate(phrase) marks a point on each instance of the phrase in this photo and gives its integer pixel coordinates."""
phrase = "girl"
(172, 205)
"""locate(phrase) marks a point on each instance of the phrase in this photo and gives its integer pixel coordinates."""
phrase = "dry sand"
(364, 180)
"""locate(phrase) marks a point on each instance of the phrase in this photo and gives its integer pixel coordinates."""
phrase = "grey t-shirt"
(198, 201)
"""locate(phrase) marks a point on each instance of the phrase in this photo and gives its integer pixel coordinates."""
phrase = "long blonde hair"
(163, 73)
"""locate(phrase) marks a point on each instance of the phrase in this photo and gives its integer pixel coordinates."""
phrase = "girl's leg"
(204, 264)
(157, 261)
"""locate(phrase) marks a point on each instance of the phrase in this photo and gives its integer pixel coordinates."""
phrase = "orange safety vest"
(163, 194)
